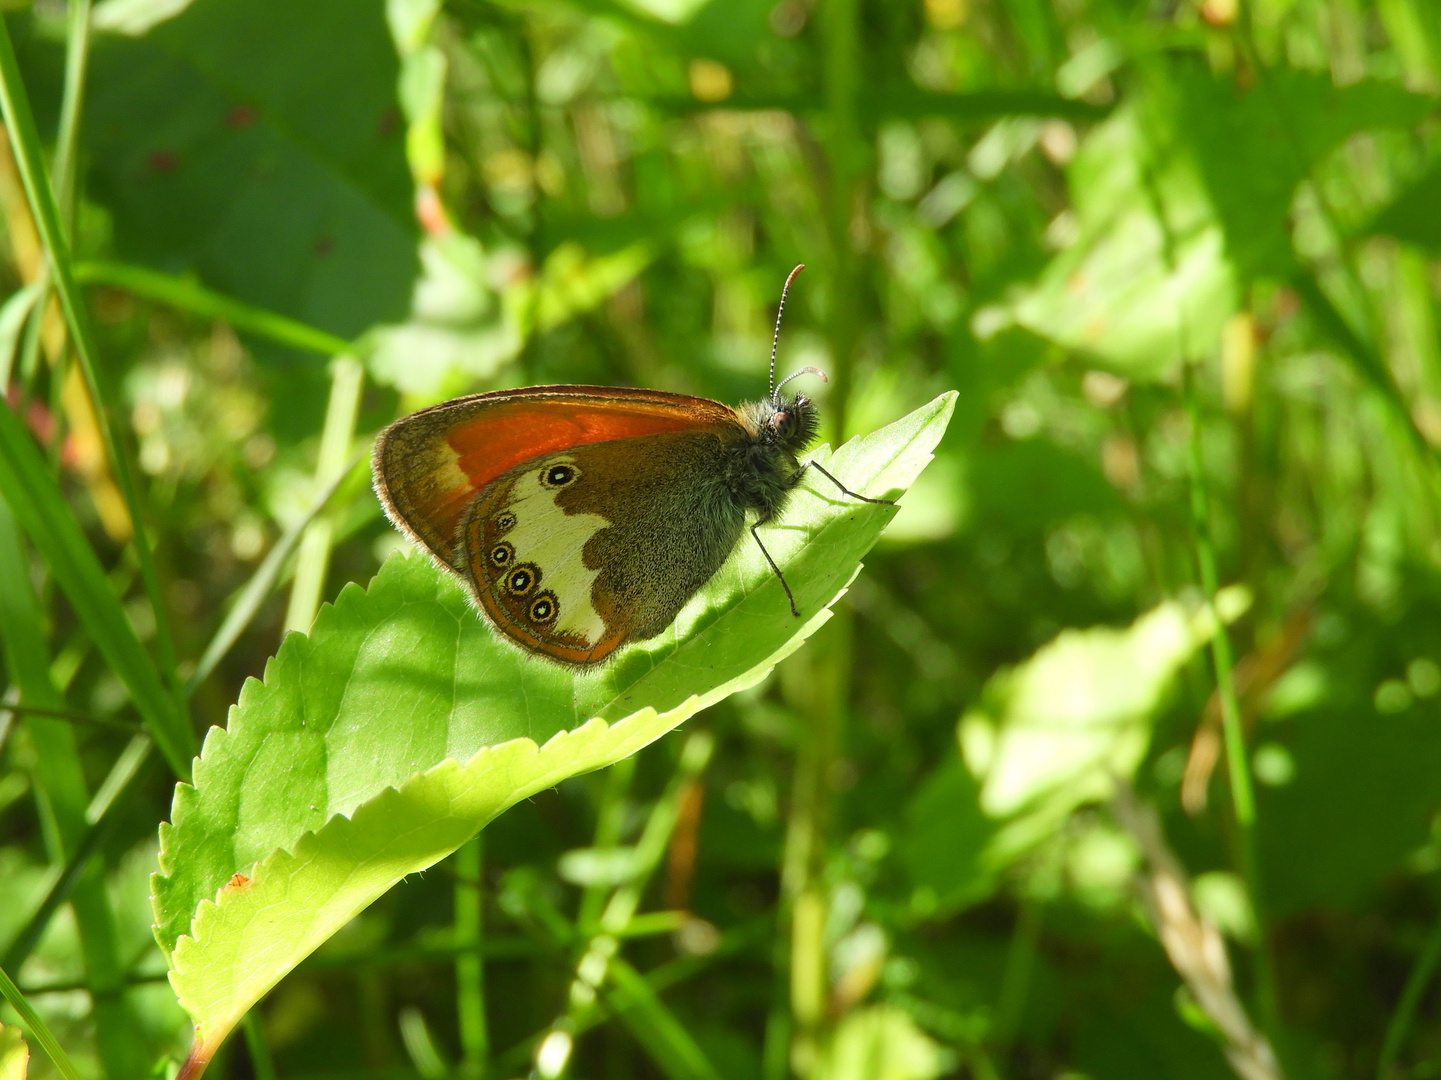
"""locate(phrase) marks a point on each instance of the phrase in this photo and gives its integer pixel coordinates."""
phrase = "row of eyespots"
(545, 608)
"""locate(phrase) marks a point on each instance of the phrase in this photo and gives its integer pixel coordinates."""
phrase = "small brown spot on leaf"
(162, 161)
(241, 116)
(237, 881)
(324, 246)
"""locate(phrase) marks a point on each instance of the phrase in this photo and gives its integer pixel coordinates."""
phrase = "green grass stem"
(35, 1027)
(186, 294)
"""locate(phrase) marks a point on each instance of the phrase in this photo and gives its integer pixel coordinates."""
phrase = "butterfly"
(584, 517)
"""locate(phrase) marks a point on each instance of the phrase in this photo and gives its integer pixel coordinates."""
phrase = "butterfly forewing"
(432, 465)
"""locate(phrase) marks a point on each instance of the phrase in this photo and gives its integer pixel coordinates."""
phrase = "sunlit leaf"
(881, 1043)
(14, 1054)
(1146, 272)
(1058, 730)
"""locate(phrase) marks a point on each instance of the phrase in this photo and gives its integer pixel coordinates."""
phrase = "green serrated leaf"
(342, 772)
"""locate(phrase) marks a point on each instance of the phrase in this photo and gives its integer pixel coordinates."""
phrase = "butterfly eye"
(544, 608)
(521, 580)
(502, 554)
(504, 522)
(558, 476)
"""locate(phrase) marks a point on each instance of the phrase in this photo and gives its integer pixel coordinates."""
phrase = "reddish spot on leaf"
(162, 161)
(389, 122)
(324, 246)
(241, 116)
(237, 881)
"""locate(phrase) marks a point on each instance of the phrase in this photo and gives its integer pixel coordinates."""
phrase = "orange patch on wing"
(463, 445)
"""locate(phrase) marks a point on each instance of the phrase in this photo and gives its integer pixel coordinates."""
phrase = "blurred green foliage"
(1162, 250)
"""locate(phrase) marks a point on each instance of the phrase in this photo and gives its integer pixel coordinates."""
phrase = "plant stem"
(346, 379)
(1243, 799)
(469, 964)
(77, 63)
(255, 591)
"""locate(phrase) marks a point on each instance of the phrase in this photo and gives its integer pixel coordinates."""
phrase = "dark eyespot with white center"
(502, 555)
(544, 609)
(504, 521)
(559, 476)
(522, 579)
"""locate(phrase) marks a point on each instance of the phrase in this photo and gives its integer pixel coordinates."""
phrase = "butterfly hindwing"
(575, 552)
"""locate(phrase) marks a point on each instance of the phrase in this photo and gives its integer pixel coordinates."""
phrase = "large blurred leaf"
(1412, 215)
(1147, 272)
(1058, 730)
(880, 1043)
(1366, 786)
(322, 775)
(1254, 145)
(1176, 195)
(258, 143)
(945, 840)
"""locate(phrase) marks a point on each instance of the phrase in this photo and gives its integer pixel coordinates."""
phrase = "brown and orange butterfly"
(583, 517)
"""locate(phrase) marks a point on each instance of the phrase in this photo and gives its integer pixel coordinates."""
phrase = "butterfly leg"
(822, 470)
(774, 567)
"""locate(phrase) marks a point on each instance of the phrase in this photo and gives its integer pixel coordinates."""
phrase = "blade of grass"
(658, 979)
(67, 714)
(36, 501)
(255, 591)
(77, 64)
(36, 1027)
(600, 952)
(261, 1062)
(191, 296)
(14, 317)
(346, 379)
(172, 730)
(1399, 1027)
(656, 1028)
(100, 816)
(59, 780)
(75, 865)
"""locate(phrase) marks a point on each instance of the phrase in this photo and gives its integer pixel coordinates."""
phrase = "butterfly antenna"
(776, 337)
(797, 375)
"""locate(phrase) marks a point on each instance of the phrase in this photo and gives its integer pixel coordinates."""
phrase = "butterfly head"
(789, 423)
